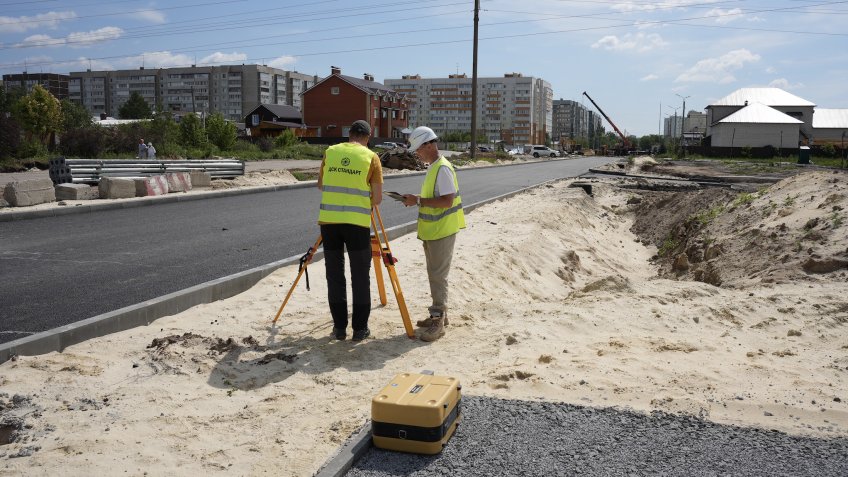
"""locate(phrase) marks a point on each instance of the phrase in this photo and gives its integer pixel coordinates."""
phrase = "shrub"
(221, 132)
(85, 142)
(265, 144)
(191, 131)
(286, 139)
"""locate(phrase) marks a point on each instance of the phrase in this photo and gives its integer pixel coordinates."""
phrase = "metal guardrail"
(89, 171)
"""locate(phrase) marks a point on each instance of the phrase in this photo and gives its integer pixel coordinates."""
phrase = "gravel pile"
(509, 438)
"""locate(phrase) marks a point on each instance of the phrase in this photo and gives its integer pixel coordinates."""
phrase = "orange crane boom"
(623, 137)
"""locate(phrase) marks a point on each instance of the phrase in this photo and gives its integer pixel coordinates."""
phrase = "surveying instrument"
(380, 249)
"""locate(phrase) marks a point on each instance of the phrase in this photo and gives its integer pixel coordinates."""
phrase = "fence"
(90, 171)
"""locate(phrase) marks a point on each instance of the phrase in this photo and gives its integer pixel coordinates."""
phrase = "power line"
(679, 21)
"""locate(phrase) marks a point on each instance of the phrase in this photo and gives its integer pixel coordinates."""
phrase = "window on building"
(334, 90)
(254, 119)
(375, 113)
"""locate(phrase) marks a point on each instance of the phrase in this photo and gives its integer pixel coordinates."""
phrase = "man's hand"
(410, 199)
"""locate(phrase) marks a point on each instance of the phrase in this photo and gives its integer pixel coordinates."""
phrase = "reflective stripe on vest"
(435, 223)
(345, 191)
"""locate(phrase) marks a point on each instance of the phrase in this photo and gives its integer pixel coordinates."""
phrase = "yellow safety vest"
(435, 223)
(345, 192)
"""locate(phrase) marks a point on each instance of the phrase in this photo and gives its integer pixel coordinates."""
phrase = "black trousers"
(357, 241)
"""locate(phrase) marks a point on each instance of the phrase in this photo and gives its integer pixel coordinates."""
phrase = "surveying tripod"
(380, 249)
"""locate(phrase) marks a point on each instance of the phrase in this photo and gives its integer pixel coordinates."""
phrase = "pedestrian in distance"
(351, 183)
(142, 149)
(440, 218)
(151, 151)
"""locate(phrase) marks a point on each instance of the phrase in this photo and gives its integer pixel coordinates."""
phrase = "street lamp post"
(684, 122)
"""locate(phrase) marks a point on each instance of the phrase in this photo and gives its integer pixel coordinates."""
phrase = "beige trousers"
(438, 254)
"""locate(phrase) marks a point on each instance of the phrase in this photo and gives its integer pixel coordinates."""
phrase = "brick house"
(335, 102)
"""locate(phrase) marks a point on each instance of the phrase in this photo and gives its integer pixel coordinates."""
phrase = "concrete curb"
(146, 312)
(355, 447)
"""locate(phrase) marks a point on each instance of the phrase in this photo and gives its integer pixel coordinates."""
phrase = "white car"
(538, 151)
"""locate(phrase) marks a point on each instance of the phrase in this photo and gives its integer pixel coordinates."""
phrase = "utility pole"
(474, 84)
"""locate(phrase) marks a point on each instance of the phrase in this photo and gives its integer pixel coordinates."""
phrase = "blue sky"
(637, 59)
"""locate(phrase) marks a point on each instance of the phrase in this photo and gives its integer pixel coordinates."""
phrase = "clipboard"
(394, 195)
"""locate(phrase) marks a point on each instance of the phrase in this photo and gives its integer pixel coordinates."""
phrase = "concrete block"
(76, 192)
(116, 188)
(179, 181)
(153, 185)
(201, 179)
(31, 192)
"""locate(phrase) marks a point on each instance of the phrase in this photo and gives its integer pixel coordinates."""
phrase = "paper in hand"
(394, 195)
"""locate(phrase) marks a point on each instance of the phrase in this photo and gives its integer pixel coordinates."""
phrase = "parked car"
(389, 145)
(539, 150)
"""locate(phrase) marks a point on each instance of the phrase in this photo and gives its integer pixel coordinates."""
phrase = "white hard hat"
(419, 136)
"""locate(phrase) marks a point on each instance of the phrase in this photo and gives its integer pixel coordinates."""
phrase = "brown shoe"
(429, 321)
(435, 331)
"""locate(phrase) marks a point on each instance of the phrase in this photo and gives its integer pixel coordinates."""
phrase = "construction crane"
(623, 137)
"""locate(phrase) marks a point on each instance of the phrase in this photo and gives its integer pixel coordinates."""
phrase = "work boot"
(339, 333)
(435, 331)
(429, 321)
(359, 335)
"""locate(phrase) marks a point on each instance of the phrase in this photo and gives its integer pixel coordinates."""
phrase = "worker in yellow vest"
(440, 217)
(351, 182)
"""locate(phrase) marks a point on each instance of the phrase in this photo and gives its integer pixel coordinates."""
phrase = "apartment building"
(516, 109)
(56, 84)
(233, 90)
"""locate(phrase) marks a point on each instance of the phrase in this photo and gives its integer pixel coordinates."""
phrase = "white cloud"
(39, 41)
(152, 16)
(649, 7)
(220, 58)
(784, 83)
(74, 40)
(282, 62)
(42, 20)
(80, 39)
(167, 59)
(640, 42)
(771, 70)
(158, 59)
(718, 70)
(723, 16)
(650, 77)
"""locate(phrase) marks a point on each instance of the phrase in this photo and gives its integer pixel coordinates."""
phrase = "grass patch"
(305, 175)
(705, 217)
(668, 246)
(742, 199)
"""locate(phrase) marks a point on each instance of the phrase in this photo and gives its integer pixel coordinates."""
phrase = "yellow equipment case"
(416, 413)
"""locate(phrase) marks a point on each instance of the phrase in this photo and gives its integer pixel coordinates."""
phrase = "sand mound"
(794, 230)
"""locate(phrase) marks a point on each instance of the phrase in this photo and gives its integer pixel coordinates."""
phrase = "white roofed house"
(774, 99)
(756, 125)
(830, 126)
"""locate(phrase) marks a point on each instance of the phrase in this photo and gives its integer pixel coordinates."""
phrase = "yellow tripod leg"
(375, 253)
(304, 261)
(389, 261)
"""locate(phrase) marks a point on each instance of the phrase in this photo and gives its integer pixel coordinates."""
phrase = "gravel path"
(510, 438)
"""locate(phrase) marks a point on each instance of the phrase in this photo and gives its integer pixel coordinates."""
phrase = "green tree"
(39, 114)
(221, 132)
(191, 131)
(135, 108)
(74, 116)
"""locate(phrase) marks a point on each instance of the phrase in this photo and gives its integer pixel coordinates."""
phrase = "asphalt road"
(59, 270)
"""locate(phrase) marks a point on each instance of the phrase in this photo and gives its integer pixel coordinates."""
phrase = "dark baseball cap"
(360, 127)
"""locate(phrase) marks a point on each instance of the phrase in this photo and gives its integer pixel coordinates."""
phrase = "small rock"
(768, 414)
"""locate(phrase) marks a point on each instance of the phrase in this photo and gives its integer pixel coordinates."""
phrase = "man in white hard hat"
(440, 218)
